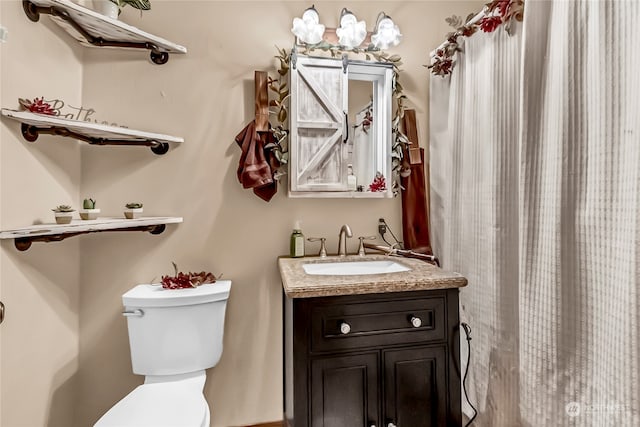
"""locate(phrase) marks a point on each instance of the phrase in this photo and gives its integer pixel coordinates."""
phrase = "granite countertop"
(422, 276)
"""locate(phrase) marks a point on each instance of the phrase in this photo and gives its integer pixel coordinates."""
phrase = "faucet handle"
(361, 251)
(323, 248)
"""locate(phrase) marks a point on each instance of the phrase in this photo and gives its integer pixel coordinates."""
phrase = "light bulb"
(351, 32)
(387, 33)
(308, 29)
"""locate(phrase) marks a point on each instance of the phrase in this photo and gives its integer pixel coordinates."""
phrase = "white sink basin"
(353, 268)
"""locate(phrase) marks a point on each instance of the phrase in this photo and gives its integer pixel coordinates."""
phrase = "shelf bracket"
(24, 243)
(34, 11)
(31, 133)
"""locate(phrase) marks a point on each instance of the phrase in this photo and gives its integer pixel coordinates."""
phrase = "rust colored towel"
(415, 216)
(254, 170)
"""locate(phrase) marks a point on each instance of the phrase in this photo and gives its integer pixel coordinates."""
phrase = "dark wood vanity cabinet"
(386, 360)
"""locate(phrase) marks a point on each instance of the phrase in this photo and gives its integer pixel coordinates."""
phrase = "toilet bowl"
(169, 403)
(174, 335)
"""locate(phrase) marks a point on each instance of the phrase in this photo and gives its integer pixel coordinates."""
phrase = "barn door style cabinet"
(373, 360)
(340, 116)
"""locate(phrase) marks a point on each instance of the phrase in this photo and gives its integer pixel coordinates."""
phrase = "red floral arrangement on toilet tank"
(186, 280)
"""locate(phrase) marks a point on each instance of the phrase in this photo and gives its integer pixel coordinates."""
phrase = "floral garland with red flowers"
(495, 14)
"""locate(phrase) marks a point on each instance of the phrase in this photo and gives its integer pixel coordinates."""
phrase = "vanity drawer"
(379, 323)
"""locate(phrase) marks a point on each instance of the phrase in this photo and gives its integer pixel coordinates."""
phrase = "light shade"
(387, 34)
(351, 32)
(308, 29)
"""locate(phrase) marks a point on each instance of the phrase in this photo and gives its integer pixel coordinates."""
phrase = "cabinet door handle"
(346, 128)
(1, 312)
(345, 328)
(416, 322)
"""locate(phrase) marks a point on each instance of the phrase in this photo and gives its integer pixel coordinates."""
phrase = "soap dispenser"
(351, 178)
(296, 249)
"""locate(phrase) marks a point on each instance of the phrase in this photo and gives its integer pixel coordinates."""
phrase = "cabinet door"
(415, 392)
(344, 391)
(318, 125)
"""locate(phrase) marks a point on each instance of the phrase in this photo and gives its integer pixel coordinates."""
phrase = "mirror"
(340, 127)
(362, 137)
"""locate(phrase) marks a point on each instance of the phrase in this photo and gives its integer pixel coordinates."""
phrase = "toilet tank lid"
(156, 296)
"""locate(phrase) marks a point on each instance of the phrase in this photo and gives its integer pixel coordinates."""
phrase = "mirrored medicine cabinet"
(340, 125)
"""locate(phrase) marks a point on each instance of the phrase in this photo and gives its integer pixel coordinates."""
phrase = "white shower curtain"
(535, 174)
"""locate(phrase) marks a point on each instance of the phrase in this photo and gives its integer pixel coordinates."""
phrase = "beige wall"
(40, 336)
(205, 96)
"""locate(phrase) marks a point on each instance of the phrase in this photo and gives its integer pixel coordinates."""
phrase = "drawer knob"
(392, 424)
(416, 321)
(345, 328)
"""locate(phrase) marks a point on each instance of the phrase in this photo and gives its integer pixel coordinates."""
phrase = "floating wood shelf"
(35, 124)
(24, 237)
(93, 29)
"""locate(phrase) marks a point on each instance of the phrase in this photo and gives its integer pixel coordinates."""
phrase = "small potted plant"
(89, 210)
(133, 210)
(64, 214)
(113, 8)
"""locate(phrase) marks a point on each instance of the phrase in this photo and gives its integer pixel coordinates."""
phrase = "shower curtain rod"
(472, 21)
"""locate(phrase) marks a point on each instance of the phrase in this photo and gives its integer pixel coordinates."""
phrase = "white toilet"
(174, 336)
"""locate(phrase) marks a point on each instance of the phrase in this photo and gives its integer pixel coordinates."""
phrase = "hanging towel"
(415, 216)
(255, 169)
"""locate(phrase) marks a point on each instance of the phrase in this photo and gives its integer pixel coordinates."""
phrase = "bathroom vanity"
(363, 350)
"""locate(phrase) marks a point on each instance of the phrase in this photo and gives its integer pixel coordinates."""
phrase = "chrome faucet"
(345, 231)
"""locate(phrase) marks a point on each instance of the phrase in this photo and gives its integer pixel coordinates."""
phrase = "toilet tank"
(175, 331)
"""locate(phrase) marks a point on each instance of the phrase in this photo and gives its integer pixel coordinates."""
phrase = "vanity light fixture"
(387, 34)
(308, 29)
(351, 32)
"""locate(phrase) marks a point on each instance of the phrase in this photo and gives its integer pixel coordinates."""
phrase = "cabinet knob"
(392, 424)
(416, 322)
(345, 328)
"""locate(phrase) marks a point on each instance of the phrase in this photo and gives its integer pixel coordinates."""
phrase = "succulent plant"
(134, 205)
(63, 208)
(89, 204)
